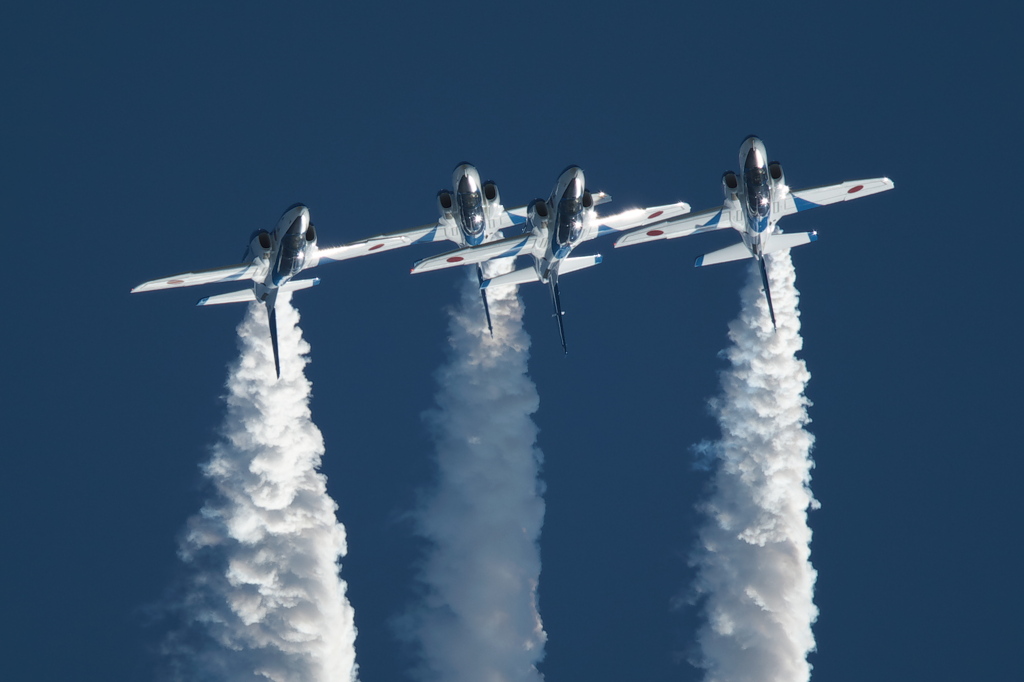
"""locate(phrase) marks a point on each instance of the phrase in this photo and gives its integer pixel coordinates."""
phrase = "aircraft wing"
(813, 197)
(504, 248)
(393, 240)
(231, 273)
(682, 225)
(638, 217)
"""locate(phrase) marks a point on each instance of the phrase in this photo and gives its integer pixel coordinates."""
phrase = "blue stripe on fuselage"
(428, 237)
(758, 223)
(803, 204)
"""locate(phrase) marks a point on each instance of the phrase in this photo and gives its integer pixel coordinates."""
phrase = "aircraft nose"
(301, 220)
(573, 178)
(755, 159)
(465, 172)
(466, 185)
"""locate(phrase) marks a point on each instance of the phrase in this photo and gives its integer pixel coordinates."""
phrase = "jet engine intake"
(730, 183)
(260, 244)
(491, 195)
(588, 199)
(445, 203)
(776, 174)
(310, 234)
(537, 213)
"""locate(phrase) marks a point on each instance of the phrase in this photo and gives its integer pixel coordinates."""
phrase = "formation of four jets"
(471, 216)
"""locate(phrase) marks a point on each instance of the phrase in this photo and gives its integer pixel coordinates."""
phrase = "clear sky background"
(139, 140)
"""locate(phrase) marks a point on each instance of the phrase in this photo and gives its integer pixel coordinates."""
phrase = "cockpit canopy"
(758, 190)
(570, 220)
(471, 212)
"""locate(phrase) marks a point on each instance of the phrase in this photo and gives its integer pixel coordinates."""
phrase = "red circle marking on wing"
(455, 259)
(375, 247)
(655, 233)
(175, 281)
(654, 215)
(855, 189)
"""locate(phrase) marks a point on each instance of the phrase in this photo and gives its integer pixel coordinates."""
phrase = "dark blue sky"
(138, 141)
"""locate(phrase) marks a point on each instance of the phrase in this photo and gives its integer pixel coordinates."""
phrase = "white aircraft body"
(271, 260)
(754, 203)
(557, 226)
(471, 214)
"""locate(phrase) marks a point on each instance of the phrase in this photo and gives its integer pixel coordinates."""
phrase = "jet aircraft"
(755, 200)
(270, 261)
(557, 225)
(470, 214)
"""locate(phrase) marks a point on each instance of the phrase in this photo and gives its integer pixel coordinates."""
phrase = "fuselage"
(567, 216)
(474, 206)
(756, 192)
(293, 248)
(470, 213)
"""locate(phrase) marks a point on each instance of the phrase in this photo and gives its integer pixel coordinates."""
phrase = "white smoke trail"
(753, 561)
(264, 600)
(479, 620)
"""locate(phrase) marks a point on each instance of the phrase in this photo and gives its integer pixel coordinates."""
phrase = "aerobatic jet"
(470, 214)
(755, 199)
(271, 260)
(557, 225)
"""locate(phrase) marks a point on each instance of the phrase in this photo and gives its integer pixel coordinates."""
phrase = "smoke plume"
(754, 576)
(479, 620)
(264, 600)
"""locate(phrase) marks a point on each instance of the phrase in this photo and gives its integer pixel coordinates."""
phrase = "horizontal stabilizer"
(786, 240)
(247, 295)
(729, 253)
(578, 263)
(243, 296)
(296, 285)
(521, 276)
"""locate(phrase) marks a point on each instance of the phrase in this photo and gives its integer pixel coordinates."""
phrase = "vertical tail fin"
(483, 295)
(557, 302)
(767, 291)
(273, 337)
